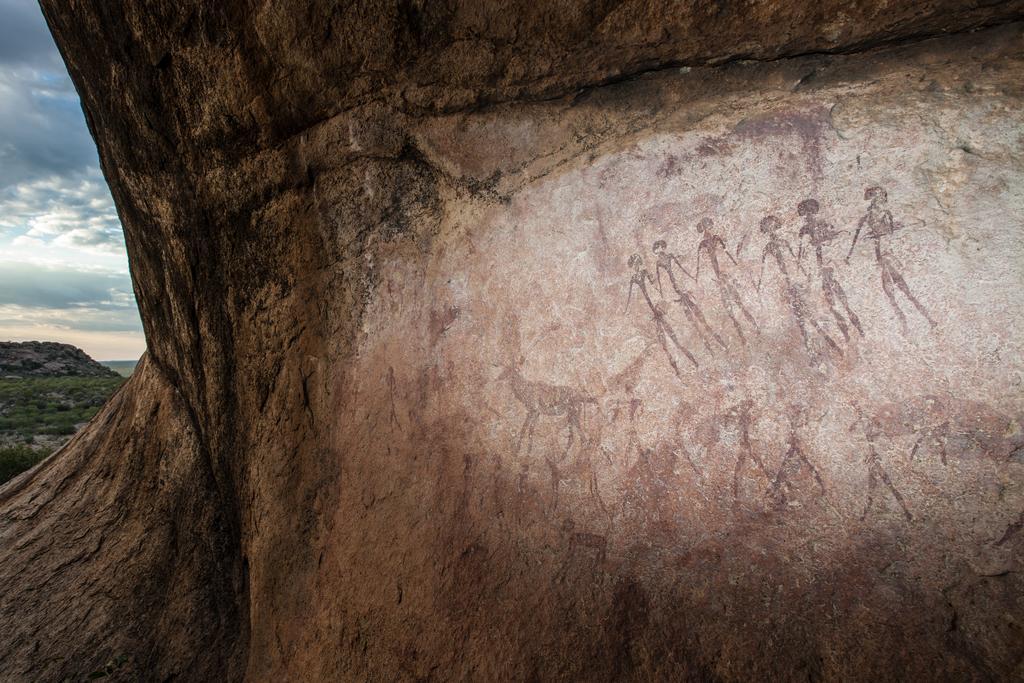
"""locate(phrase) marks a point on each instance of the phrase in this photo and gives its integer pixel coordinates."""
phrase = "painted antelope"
(950, 426)
(551, 400)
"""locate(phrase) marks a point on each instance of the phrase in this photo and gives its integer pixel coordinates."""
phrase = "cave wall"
(413, 410)
(816, 476)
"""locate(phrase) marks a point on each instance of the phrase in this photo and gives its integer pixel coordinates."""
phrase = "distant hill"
(48, 359)
(125, 368)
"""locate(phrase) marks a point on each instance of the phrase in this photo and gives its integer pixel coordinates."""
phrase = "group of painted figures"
(876, 224)
(815, 234)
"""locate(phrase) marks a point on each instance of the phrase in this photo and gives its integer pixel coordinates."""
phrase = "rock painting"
(666, 359)
(807, 282)
(877, 225)
(777, 247)
(641, 276)
(665, 261)
(820, 235)
(710, 244)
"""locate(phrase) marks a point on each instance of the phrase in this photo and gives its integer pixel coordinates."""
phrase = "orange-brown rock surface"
(546, 341)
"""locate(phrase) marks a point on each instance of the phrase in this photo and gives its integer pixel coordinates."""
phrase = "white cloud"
(42, 130)
(66, 211)
(33, 286)
(63, 268)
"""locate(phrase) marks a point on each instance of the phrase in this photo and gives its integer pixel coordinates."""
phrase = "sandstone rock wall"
(421, 290)
(789, 465)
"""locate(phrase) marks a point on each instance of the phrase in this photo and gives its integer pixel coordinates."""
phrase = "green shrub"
(17, 459)
(51, 405)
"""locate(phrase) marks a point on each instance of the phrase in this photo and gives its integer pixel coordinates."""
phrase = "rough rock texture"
(48, 359)
(427, 399)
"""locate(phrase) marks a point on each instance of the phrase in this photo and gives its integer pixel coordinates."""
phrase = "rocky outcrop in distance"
(48, 359)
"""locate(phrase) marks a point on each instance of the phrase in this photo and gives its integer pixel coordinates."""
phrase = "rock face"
(48, 359)
(586, 341)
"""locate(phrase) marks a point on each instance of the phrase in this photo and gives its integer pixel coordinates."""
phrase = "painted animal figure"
(948, 426)
(936, 425)
(551, 400)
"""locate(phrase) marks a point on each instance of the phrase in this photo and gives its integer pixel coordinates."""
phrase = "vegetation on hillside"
(17, 459)
(38, 414)
(51, 405)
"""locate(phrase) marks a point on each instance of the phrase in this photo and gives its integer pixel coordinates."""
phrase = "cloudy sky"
(63, 268)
